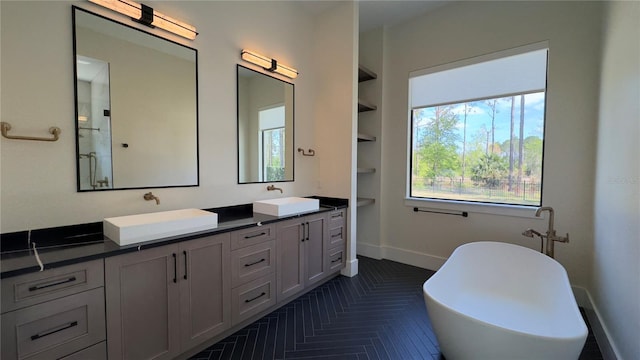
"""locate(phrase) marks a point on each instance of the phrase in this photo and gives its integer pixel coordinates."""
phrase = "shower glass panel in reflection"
(94, 124)
(272, 143)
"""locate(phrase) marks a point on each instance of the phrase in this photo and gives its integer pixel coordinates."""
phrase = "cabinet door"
(290, 258)
(142, 304)
(316, 238)
(205, 285)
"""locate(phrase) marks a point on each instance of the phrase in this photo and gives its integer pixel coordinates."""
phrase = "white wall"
(39, 179)
(616, 271)
(467, 29)
(335, 111)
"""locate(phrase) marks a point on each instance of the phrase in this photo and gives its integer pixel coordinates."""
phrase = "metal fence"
(523, 192)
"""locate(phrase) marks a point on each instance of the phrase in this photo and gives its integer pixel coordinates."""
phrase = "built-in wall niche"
(136, 107)
(265, 127)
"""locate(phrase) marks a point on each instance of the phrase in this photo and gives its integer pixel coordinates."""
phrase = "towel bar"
(5, 127)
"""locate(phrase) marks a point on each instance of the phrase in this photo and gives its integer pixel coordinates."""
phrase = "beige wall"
(335, 111)
(38, 179)
(616, 259)
(468, 29)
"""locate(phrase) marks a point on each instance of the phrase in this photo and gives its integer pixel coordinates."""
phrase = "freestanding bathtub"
(494, 301)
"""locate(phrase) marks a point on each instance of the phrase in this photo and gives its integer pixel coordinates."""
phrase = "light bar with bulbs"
(146, 15)
(268, 64)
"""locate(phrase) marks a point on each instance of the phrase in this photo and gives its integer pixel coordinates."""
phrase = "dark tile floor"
(379, 314)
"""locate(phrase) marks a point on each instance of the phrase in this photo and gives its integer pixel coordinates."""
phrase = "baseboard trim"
(584, 299)
(351, 268)
(404, 256)
(368, 250)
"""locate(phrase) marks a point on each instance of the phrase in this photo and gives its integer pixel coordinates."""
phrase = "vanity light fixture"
(268, 64)
(146, 15)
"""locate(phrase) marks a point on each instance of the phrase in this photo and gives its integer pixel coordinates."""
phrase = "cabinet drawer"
(252, 262)
(337, 218)
(30, 289)
(336, 237)
(336, 260)
(95, 352)
(252, 298)
(251, 236)
(54, 329)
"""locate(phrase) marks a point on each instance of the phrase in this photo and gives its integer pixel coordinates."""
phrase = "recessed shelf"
(365, 74)
(365, 137)
(363, 106)
(366, 170)
(365, 201)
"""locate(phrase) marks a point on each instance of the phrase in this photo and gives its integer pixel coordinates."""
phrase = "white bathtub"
(494, 301)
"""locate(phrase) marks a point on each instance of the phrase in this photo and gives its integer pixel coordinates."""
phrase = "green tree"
(532, 155)
(437, 142)
(489, 170)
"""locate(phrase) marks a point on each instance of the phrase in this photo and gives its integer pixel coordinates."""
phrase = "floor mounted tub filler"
(494, 301)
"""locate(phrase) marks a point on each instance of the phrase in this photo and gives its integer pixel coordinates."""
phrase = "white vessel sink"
(132, 229)
(285, 206)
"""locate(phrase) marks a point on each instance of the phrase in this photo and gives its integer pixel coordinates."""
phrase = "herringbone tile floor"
(379, 314)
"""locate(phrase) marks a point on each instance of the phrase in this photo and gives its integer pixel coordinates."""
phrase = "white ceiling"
(376, 13)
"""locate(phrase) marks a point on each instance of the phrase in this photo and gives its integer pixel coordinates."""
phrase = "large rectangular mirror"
(265, 128)
(136, 107)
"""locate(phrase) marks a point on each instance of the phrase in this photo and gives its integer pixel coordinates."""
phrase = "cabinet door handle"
(336, 260)
(308, 230)
(54, 330)
(303, 232)
(255, 262)
(185, 264)
(175, 268)
(255, 298)
(55, 283)
(256, 235)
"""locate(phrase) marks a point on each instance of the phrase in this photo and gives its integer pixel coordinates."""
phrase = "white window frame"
(525, 211)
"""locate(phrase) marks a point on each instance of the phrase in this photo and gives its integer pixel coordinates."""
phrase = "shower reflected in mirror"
(94, 124)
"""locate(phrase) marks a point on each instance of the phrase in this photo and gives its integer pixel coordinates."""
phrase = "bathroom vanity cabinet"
(301, 256)
(53, 314)
(163, 301)
(166, 299)
(253, 271)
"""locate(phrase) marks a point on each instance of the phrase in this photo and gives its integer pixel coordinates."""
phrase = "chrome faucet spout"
(273, 187)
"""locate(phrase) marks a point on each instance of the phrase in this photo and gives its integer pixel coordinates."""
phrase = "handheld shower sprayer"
(530, 232)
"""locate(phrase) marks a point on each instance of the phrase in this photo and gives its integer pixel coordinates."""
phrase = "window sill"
(471, 207)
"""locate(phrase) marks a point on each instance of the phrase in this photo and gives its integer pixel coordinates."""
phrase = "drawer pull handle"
(256, 235)
(333, 216)
(56, 283)
(175, 268)
(336, 235)
(186, 267)
(255, 262)
(336, 260)
(54, 330)
(255, 298)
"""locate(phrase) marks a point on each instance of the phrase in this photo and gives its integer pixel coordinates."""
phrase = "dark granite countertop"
(72, 244)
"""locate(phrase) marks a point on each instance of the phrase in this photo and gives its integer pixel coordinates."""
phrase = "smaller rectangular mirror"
(265, 128)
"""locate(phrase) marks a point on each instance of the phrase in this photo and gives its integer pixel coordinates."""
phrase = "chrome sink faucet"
(551, 232)
(273, 187)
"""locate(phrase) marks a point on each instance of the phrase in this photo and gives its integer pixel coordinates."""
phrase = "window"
(477, 129)
(272, 142)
